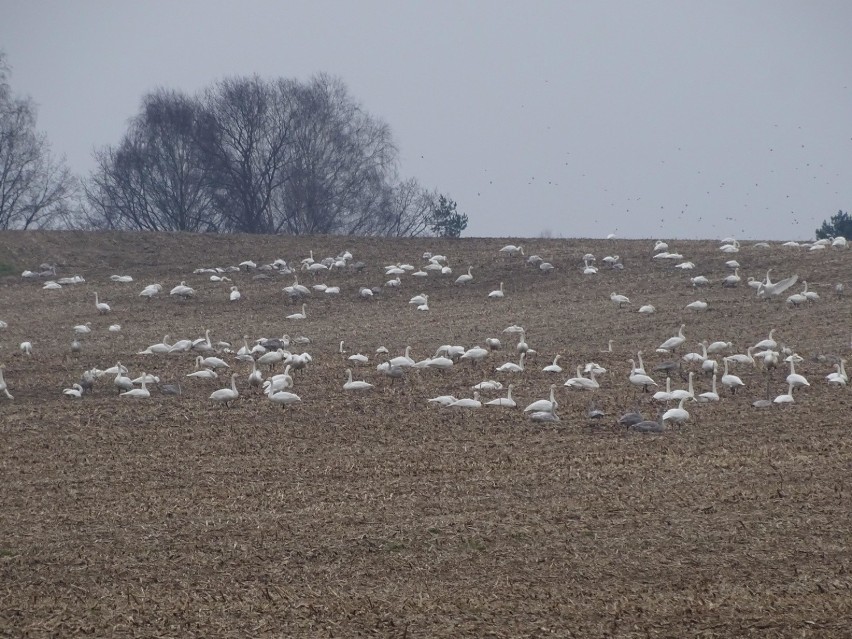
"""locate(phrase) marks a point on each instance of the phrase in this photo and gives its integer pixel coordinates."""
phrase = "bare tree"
(257, 156)
(244, 136)
(408, 210)
(155, 179)
(340, 159)
(34, 186)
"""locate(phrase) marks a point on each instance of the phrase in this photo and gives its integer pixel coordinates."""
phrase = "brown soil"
(376, 514)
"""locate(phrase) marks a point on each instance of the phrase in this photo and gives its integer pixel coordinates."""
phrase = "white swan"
(647, 309)
(226, 395)
(417, 300)
(112, 370)
(697, 305)
(255, 378)
(637, 369)
(465, 278)
(205, 373)
(839, 377)
(475, 354)
(183, 291)
(279, 382)
(441, 363)
(767, 344)
(811, 296)
(697, 357)
(786, 398)
(666, 395)
(543, 404)
(731, 381)
(150, 291)
(684, 394)
(467, 402)
(488, 385)
(443, 400)
(769, 359)
(679, 414)
(794, 379)
(672, 343)
(212, 362)
(718, 347)
(403, 361)
(512, 250)
(797, 299)
(147, 378)
(731, 281)
(710, 396)
(75, 392)
(181, 346)
(498, 294)
(26, 348)
(619, 300)
(511, 367)
(102, 307)
(739, 358)
(121, 381)
(505, 402)
(777, 288)
(162, 347)
(356, 385)
(282, 397)
(139, 393)
(545, 416)
(272, 357)
(4, 388)
(235, 294)
(296, 290)
(83, 329)
(699, 280)
(583, 383)
(554, 367)
(298, 316)
(640, 379)
(522, 346)
(203, 344)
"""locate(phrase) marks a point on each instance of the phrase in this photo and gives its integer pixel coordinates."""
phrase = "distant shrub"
(840, 225)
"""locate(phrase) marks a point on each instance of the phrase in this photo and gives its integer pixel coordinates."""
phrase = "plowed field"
(358, 513)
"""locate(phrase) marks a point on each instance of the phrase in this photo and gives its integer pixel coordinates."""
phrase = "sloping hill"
(375, 513)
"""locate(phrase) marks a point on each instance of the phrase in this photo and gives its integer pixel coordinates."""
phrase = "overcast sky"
(581, 118)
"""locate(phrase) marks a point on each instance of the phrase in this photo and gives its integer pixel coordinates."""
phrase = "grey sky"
(671, 119)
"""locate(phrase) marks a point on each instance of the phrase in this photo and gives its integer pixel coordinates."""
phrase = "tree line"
(244, 155)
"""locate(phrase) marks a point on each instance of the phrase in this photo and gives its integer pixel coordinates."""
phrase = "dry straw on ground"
(375, 514)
